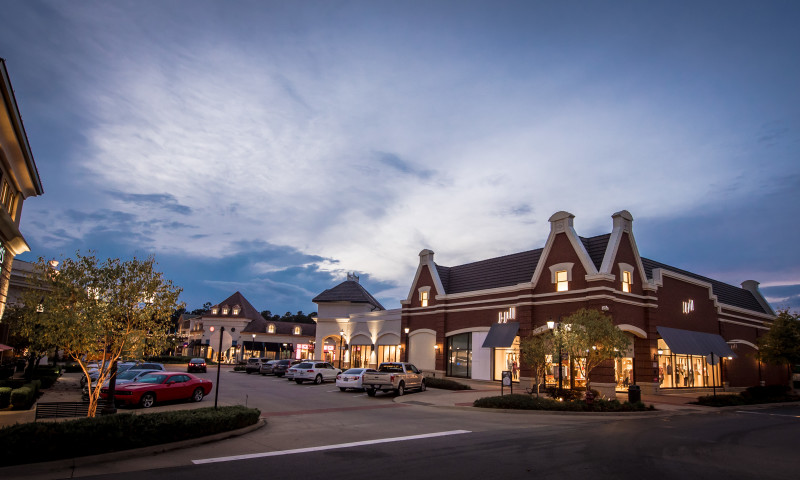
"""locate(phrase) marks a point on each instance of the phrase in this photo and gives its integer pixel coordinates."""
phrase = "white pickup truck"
(393, 377)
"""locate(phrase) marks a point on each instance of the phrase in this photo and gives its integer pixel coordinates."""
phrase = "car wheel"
(422, 387)
(343, 389)
(401, 389)
(371, 392)
(198, 395)
(147, 400)
(298, 381)
(318, 380)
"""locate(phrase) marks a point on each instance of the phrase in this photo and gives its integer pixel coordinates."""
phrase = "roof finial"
(352, 277)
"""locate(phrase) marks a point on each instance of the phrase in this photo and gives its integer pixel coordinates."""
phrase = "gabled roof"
(287, 328)
(246, 311)
(726, 294)
(348, 291)
(507, 270)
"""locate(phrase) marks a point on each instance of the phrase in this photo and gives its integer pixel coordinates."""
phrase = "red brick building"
(467, 320)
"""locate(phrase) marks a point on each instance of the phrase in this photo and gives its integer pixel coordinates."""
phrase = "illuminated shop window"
(688, 306)
(562, 284)
(423, 297)
(626, 281)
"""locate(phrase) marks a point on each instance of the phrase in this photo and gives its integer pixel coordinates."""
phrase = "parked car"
(196, 365)
(281, 366)
(394, 377)
(128, 376)
(94, 371)
(352, 378)
(254, 364)
(161, 387)
(266, 368)
(316, 372)
(148, 366)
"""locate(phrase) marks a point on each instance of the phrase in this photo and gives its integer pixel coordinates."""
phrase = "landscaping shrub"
(13, 383)
(567, 394)
(22, 398)
(35, 385)
(5, 397)
(527, 402)
(239, 368)
(445, 384)
(78, 438)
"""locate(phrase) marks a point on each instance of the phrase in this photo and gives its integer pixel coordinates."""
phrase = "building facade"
(686, 330)
(251, 335)
(353, 328)
(19, 180)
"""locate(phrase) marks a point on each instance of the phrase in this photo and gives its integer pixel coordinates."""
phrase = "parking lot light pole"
(341, 347)
(219, 360)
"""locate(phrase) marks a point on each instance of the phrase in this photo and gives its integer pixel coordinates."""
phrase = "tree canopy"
(101, 311)
(590, 334)
(781, 344)
(534, 350)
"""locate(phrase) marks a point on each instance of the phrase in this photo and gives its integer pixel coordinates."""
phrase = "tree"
(102, 311)
(591, 335)
(26, 333)
(534, 351)
(781, 344)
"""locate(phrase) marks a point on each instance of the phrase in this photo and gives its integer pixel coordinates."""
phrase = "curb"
(71, 463)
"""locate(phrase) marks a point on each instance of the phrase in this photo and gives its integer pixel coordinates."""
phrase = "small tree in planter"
(590, 334)
(534, 350)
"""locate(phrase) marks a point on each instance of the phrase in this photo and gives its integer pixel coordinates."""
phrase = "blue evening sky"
(272, 146)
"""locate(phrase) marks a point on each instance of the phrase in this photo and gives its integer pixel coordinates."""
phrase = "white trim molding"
(626, 327)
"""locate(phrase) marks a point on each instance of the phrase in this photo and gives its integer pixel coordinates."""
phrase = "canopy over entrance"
(501, 335)
(686, 342)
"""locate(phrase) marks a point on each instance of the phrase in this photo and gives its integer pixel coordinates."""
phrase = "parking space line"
(769, 414)
(328, 447)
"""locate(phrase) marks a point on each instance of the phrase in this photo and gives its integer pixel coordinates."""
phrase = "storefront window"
(623, 368)
(685, 371)
(329, 353)
(388, 353)
(459, 355)
(507, 359)
(359, 356)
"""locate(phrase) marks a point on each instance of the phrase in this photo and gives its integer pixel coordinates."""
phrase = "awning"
(686, 342)
(251, 345)
(5, 347)
(501, 335)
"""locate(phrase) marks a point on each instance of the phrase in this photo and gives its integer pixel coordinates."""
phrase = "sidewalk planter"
(22, 398)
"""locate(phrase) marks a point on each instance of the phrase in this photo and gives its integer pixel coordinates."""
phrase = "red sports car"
(162, 387)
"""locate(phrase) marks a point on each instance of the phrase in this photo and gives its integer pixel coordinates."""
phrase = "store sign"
(506, 315)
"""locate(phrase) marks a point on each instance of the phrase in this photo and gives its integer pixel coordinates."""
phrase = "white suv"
(317, 372)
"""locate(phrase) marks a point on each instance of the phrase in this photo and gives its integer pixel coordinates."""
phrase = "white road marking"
(328, 447)
(770, 414)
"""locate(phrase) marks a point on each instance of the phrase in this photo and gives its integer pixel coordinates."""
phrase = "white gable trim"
(561, 222)
(425, 259)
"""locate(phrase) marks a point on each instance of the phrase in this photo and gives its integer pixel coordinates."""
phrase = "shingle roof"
(492, 273)
(596, 248)
(248, 311)
(348, 291)
(727, 294)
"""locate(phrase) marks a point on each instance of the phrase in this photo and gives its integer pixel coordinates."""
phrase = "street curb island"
(30, 469)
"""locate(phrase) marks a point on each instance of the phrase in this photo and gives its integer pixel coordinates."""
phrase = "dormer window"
(214, 311)
(424, 296)
(626, 281)
(561, 275)
(297, 331)
(562, 284)
(224, 310)
(271, 328)
(236, 310)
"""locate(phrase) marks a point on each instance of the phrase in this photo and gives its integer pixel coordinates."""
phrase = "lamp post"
(341, 347)
(219, 360)
(406, 330)
(552, 326)
(254, 345)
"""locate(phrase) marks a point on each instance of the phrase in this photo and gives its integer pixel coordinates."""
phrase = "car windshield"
(152, 378)
(355, 371)
(129, 375)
